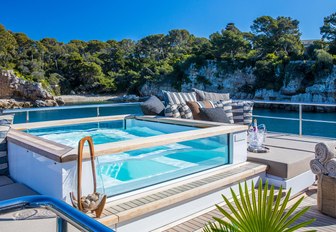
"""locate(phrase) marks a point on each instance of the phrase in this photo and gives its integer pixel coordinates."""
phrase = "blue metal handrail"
(66, 214)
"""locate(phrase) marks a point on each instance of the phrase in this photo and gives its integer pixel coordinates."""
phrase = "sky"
(134, 19)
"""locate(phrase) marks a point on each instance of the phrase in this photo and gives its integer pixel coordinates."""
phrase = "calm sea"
(276, 125)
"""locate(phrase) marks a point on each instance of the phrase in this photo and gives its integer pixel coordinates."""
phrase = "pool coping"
(62, 153)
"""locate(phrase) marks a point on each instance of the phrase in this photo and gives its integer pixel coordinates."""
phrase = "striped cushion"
(185, 111)
(242, 112)
(172, 111)
(215, 97)
(196, 106)
(6, 119)
(178, 97)
(5, 123)
(227, 106)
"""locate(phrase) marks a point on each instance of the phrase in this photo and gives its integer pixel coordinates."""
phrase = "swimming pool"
(127, 171)
(105, 132)
(131, 153)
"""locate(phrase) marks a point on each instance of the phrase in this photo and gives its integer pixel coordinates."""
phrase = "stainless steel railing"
(65, 213)
(97, 106)
(300, 105)
(300, 118)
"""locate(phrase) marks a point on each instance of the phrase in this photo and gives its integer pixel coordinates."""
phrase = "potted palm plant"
(259, 211)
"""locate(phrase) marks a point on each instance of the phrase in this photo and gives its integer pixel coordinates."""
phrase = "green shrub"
(260, 211)
(323, 64)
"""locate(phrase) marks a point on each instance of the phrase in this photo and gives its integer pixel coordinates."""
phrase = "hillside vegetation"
(124, 66)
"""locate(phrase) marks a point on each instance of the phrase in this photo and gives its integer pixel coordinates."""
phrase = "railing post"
(62, 225)
(98, 111)
(27, 116)
(300, 119)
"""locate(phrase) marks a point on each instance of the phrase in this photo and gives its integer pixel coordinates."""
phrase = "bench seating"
(288, 160)
(9, 189)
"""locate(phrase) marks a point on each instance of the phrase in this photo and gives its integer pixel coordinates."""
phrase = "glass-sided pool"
(135, 169)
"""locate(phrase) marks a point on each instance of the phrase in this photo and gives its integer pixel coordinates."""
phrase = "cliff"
(16, 92)
(241, 84)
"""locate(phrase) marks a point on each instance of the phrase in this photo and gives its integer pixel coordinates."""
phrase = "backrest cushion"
(152, 106)
(242, 112)
(227, 106)
(195, 107)
(5, 123)
(178, 97)
(215, 97)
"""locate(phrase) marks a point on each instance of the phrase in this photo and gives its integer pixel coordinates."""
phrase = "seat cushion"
(4, 180)
(152, 106)
(203, 96)
(15, 190)
(282, 162)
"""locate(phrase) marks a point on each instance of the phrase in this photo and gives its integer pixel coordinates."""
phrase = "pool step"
(169, 203)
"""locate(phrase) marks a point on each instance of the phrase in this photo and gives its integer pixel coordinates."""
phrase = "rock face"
(239, 82)
(24, 92)
(211, 78)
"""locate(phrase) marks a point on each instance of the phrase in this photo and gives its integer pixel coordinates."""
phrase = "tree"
(8, 47)
(280, 36)
(328, 31)
(230, 43)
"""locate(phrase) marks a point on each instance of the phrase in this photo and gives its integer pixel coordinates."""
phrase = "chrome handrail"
(300, 118)
(65, 213)
(98, 106)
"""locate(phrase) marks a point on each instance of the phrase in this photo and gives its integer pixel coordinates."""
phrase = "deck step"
(160, 199)
(197, 221)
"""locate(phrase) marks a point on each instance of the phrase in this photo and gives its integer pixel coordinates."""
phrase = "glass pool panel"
(128, 171)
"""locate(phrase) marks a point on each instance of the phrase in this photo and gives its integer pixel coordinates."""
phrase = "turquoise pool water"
(132, 170)
(105, 132)
(127, 171)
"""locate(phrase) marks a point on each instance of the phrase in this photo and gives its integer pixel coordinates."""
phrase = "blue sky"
(118, 19)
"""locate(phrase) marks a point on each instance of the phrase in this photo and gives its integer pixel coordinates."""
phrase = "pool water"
(105, 132)
(127, 171)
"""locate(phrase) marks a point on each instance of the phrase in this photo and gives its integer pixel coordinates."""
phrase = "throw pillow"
(227, 106)
(178, 97)
(195, 107)
(152, 106)
(215, 115)
(185, 111)
(203, 95)
(172, 111)
(242, 112)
